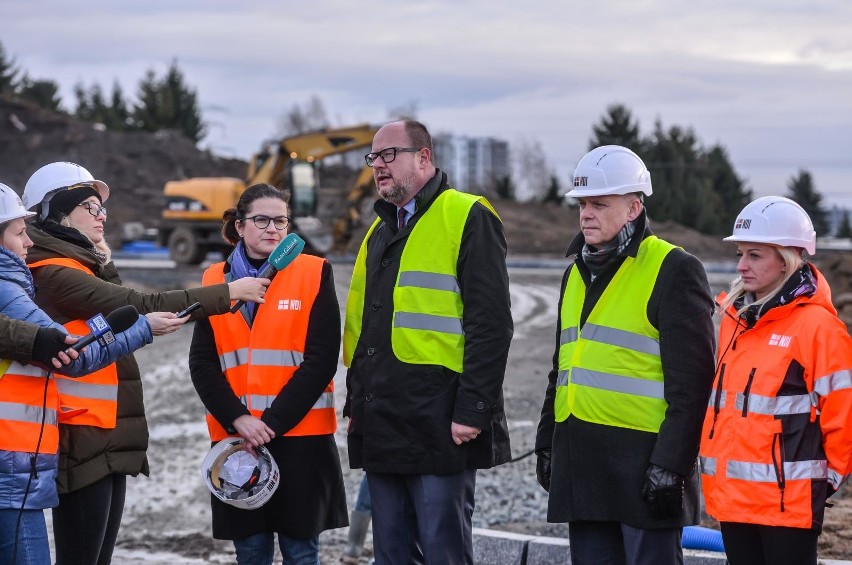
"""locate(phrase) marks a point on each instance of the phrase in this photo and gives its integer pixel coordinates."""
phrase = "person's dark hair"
(419, 137)
(252, 193)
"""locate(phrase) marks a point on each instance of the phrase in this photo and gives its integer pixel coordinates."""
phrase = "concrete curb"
(493, 547)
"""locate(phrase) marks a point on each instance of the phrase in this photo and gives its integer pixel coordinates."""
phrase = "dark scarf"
(244, 266)
(597, 258)
(800, 283)
(69, 234)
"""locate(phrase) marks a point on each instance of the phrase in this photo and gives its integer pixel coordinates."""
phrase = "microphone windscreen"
(122, 318)
(286, 251)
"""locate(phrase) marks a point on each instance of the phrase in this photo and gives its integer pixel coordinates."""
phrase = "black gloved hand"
(663, 491)
(542, 468)
(47, 345)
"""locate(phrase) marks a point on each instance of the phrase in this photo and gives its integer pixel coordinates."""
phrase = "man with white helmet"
(619, 430)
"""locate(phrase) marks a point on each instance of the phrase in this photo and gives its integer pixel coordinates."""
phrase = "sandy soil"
(167, 516)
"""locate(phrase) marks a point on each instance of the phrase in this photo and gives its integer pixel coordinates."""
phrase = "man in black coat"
(618, 437)
(425, 404)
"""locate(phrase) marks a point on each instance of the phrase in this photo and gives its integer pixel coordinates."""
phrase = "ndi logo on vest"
(780, 340)
(292, 304)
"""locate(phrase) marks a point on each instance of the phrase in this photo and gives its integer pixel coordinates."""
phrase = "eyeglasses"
(93, 208)
(388, 155)
(262, 222)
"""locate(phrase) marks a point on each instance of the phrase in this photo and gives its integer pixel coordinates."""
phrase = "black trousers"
(753, 544)
(422, 519)
(616, 543)
(86, 522)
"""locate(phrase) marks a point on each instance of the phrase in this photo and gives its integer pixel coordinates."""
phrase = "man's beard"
(396, 195)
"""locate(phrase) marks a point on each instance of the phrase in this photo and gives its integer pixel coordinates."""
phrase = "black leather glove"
(663, 491)
(47, 345)
(542, 468)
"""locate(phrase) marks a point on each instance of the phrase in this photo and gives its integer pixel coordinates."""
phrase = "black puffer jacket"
(598, 470)
(87, 453)
(401, 414)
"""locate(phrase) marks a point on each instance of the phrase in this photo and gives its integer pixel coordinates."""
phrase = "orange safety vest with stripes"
(260, 360)
(777, 429)
(23, 403)
(96, 391)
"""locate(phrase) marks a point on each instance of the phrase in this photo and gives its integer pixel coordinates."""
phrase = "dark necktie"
(401, 216)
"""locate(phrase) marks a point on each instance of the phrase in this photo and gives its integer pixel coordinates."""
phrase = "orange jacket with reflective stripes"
(258, 361)
(778, 429)
(97, 391)
(23, 403)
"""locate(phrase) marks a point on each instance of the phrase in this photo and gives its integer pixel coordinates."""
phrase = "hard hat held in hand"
(610, 169)
(50, 178)
(777, 221)
(11, 207)
(237, 477)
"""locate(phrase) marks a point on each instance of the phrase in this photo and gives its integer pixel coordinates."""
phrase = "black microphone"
(283, 254)
(105, 328)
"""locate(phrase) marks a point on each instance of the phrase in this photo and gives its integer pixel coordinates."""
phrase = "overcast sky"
(769, 80)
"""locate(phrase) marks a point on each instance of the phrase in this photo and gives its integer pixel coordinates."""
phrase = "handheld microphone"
(283, 254)
(104, 328)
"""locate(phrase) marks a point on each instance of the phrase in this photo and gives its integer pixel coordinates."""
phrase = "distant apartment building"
(472, 164)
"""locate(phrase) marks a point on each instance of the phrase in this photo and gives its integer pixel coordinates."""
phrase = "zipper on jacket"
(719, 392)
(747, 390)
(778, 439)
(33, 469)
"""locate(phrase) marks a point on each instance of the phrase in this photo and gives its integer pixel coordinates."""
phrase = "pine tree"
(168, 104)
(844, 229)
(44, 93)
(119, 114)
(555, 193)
(8, 72)
(802, 190)
(617, 127)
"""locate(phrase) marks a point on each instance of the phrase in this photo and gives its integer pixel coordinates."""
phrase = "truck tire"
(184, 247)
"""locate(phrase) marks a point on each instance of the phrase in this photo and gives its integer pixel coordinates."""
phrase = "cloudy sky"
(771, 80)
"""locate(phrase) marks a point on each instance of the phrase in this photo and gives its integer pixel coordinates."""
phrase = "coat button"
(370, 351)
(369, 397)
(480, 405)
(385, 262)
(375, 306)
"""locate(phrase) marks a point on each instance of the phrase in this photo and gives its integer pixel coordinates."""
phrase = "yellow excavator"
(192, 218)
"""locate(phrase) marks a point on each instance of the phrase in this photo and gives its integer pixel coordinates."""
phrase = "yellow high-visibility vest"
(428, 309)
(610, 371)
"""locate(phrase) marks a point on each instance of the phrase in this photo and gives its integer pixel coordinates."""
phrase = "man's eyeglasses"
(388, 155)
(262, 222)
(93, 208)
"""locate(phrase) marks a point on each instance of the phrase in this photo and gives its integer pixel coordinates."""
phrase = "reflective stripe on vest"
(259, 361)
(25, 402)
(835, 381)
(610, 371)
(97, 391)
(767, 472)
(775, 405)
(711, 402)
(428, 310)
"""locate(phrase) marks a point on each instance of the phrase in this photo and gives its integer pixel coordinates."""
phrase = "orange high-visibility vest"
(23, 404)
(259, 361)
(96, 391)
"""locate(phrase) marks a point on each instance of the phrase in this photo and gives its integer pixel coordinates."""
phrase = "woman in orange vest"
(72, 268)
(30, 410)
(777, 437)
(265, 373)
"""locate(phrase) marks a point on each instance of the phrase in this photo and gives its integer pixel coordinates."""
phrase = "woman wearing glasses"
(265, 373)
(76, 279)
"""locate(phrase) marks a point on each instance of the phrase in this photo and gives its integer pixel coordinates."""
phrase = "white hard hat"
(46, 181)
(610, 169)
(11, 207)
(777, 221)
(237, 477)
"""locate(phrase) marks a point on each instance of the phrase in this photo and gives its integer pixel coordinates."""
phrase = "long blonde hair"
(793, 260)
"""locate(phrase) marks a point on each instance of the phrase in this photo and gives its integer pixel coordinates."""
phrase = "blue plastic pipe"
(698, 537)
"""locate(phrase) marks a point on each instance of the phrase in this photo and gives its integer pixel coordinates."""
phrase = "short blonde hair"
(793, 260)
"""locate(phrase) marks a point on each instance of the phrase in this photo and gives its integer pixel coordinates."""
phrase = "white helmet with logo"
(11, 207)
(46, 181)
(237, 477)
(610, 169)
(777, 221)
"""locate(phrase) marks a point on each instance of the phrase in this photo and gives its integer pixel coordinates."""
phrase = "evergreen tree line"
(694, 185)
(165, 102)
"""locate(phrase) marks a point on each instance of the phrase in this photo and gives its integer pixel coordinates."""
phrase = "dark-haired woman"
(265, 373)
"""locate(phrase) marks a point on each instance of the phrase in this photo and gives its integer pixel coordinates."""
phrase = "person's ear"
(635, 208)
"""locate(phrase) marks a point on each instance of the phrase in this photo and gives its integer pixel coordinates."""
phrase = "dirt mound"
(135, 165)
